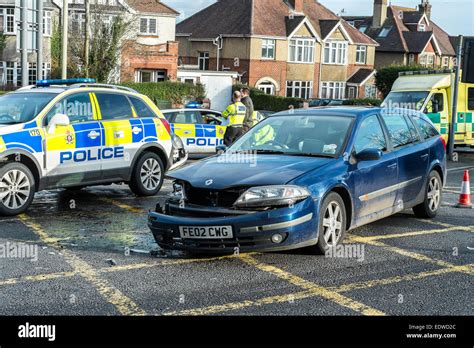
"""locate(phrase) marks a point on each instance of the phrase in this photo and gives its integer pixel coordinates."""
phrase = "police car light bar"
(47, 83)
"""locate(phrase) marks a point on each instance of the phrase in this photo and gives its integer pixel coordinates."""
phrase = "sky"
(454, 16)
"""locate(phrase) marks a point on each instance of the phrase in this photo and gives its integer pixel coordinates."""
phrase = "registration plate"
(206, 232)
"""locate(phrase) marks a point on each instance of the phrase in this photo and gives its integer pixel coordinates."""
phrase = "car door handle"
(392, 166)
(136, 130)
(93, 135)
(425, 156)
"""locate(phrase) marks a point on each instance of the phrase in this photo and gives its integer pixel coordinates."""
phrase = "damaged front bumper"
(296, 226)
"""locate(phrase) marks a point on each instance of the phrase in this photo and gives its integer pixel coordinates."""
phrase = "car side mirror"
(369, 155)
(220, 149)
(58, 120)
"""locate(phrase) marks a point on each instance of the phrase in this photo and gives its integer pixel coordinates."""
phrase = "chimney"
(425, 7)
(297, 5)
(380, 13)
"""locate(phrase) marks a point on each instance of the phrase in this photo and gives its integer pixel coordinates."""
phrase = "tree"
(385, 77)
(105, 45)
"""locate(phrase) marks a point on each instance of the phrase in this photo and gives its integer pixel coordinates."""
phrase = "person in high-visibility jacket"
(235, 114)
(264, 135)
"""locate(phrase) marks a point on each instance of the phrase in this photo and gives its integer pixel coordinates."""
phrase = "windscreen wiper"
(309, 154)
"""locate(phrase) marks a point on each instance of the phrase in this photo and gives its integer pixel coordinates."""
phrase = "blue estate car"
(303, 179)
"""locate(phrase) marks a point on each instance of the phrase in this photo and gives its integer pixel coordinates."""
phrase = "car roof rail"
(103, 85)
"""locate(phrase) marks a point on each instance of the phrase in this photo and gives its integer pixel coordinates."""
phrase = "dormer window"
(363, 28)
(384, 32)
(422, 27)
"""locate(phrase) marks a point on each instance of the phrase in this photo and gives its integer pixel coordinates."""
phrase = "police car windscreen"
(22, 107)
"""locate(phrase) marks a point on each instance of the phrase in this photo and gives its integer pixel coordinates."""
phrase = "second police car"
(75, 133)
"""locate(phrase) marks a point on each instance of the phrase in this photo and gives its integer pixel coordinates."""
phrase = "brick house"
(406, 35)
(149, 53)
(295, 48)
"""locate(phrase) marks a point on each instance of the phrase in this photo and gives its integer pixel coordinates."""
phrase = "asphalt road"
(93, 258)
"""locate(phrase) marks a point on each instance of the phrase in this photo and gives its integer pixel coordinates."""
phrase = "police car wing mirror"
(58, 120)
(369, 155)
(220, 149)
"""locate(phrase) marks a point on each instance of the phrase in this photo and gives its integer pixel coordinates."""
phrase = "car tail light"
(166, 124)
(444, 142)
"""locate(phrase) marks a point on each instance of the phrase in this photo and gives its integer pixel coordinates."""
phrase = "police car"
(201, 130)
(75, 133)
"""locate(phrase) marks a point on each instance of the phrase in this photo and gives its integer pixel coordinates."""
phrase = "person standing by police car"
(250, 114)
(235, 114)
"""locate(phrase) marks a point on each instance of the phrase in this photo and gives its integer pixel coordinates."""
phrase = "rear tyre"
(148, 175)
(332, 223)
(17, 189)
(433, 197)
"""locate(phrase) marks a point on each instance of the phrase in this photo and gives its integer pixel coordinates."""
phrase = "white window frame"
(361, 51)
(8, 14)
(431, 60)
(79, 19)
(370, 91)
(422, 27)
(267, 87)
(303, 50)
(445, 61)
(333, 90)
(299, 89)
(148, 30)
(202, 59)
(335, 52)
(156, 75)
(47, 23)
(423, 59)
(268, 45)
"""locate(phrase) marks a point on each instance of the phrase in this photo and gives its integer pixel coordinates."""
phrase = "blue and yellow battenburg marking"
(199, 134)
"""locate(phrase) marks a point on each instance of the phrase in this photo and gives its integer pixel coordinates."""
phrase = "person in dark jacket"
(247, 101)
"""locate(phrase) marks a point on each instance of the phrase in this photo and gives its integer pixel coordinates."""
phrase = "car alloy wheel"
(332, 224)
(434, 194)
(150, 174)
(15, 189)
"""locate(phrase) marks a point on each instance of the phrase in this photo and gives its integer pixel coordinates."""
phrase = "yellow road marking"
(413, 234)
(411, 254)
(37, 278)
(124, 305)
(315, 289)
(124, 206)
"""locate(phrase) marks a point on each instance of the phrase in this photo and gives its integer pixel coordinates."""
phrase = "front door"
(73, 152)
(375, 182)
(412, 154)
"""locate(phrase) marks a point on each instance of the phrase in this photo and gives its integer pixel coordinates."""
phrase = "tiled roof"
(360, 76)
(261, 17)
(402, 37)
(151, 6)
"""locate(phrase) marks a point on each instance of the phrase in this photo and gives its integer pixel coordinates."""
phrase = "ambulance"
(432, 93)
(76, 133)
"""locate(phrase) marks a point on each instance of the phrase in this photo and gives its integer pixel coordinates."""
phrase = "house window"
(361, 54)
(445, 61)
(78, 22)
(335, 52)
(299, 89)
(333, 90)
(302, 51)
(268, 49)
(151, 76)
(203, 61)
(431, 60)
(351, 92)
(371, 91)
(148, 26)
(267, 87)
(423, 60)
(384, 32)
(422, 27)
(10, 70)
(411, 59)
(363, 28)
(7, 20)
(47, 23)
(351, 23)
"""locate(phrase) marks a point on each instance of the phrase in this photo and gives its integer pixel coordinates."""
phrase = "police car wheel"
(148, 175)
(17, 188)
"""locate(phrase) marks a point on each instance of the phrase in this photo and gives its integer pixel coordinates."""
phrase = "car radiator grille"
(212, 198)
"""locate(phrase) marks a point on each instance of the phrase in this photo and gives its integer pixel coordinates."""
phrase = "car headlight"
(267, 196)
(177, 142)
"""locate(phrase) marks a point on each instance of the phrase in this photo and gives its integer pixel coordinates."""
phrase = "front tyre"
(17, 189)
(433, 197)
(332, 223)
(148, 175)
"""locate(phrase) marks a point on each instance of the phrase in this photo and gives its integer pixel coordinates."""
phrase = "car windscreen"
(22, 107)
(315, 135)
(406, 100)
